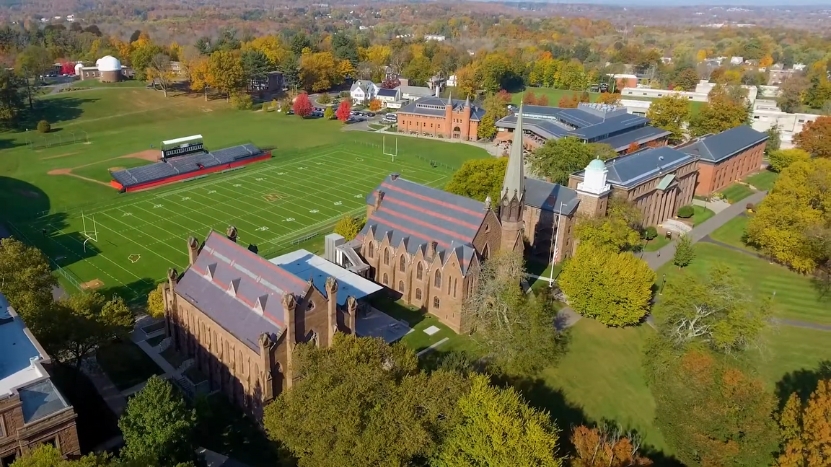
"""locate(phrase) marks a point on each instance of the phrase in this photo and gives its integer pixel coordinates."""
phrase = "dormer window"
(233, 287)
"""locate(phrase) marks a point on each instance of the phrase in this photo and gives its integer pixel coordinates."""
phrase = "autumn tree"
(319, 71)
(30, 64)
(783, 158)
(617, 229)
(479, 178)
(374, 105)
(609, 98)
(671, 114)
(27, 282)
(529, 98)
(560, 157)
(225, 73)
(328, 113)
(302, 105)
(791, 224)
(141, 55)
(709, 412)
(495, 108)
(568, 101)
(363, 402)
(684, 252)
(613, 288)
(726, 109)
(633, 147)
(271, 46)
(515, 327)
(344, 111)
(199, 71)
(792, 93)
(46, 455)
(805, 429)
(155, 301)
(159, 72)
(606, 446)
(12, 97)
(349, 227)
(815, 137)
(686, 80)
(498, 428)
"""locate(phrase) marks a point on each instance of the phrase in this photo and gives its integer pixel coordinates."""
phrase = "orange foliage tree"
(806, 429)
(605, 447)
(815, 137)
(503, 97)
(542, 100)
(609, 98)
(375, 105)
(344, 111)
(529, 98)
(633, 147)
(568, 102)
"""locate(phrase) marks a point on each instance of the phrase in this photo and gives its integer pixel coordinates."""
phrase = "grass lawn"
(736, 192)
(732, 232)
(656, 243)
(542, 270)
(318, 174)
(701, 214)
(789, 349)
(126, 364)
(796, 296)
(763, 180)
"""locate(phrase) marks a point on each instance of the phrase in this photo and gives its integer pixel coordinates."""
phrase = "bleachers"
(176, 166)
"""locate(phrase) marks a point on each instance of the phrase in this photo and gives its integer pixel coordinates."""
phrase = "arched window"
(371, 250)
(385, 279)
(486, 252)
(401, 286)
(418, 294)
(437, 282)
(419, 270)
(402, 263)
(455, 282)
(386, 256)
(435, 302)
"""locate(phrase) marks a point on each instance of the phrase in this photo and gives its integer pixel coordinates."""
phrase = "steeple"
(467, 101)
(450, 99)
(514, 183)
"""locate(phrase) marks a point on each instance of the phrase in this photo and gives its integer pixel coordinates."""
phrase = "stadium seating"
(175, 166)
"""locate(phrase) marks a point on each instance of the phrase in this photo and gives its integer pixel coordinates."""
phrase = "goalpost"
(91, 235)
(384, 148)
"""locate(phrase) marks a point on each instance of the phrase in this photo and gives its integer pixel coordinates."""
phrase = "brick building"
(433, 116)
(726, 157)
(32, 410)
(239, 316)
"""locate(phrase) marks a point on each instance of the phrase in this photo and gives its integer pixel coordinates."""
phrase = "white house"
(452, 81)
(414, 93)
(363, 91)
(388, 96)
(736, 60)
(767, 114)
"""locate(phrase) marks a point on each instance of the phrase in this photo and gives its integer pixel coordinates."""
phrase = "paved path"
(803, 324)
(715, 206)
(104, 385)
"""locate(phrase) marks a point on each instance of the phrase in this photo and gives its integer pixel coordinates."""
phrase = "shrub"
(324, 99)
(242, 101)
(685, 212)
(749, 206)
(44, 126)
(650, 233)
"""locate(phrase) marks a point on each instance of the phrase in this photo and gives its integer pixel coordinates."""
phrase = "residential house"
(389, 97)
(363, 91)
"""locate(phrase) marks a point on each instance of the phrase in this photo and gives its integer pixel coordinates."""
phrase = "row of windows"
(402, 264)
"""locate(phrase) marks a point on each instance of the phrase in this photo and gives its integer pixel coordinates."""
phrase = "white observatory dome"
(108, 63)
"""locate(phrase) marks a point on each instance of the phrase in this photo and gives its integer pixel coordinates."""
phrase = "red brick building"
(433, 116)
(726, 157)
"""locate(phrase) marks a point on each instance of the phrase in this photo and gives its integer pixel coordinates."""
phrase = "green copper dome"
(596, 164)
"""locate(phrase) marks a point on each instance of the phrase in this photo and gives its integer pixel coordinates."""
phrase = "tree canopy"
(349, 227)
(606, 446)
(479, 178)
(815, 137)
(26, 280)
(615, 230)
(805, 428)
(726, 109)
(670, 113)
(783, 158)
(155, 301)
(560, 157)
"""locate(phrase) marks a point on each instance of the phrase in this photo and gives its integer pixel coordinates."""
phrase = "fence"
(59, 138)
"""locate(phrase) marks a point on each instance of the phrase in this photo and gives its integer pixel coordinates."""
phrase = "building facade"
(432, 116)
(726, 157)
(32, 410)
(238, 318)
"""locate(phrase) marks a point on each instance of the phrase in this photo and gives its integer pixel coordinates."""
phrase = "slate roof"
(363, 84)
(641, 136)
(420, 107)
(716, 148)
(416, 214)
(547, 196)
(256, 307)
(387, 93)
(633, 169)
(40, 400)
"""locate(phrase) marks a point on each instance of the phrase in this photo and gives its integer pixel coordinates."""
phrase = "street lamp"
(554, 250)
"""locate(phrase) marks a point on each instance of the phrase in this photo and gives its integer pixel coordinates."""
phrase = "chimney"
(290, 307)
(231, 233)
(394, 176)
(352, 308)
(379, 196)
(431, 250)
(332, 296)
(193, 250)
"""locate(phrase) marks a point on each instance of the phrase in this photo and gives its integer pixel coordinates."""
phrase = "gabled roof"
(240, 291)
(716, 148)
(436, 107)
(363, 84)
(633, 169)
(387, 92)
(414, 215)
(551, 197)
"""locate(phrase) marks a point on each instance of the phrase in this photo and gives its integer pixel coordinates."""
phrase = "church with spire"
(427, 246)
(441, 118)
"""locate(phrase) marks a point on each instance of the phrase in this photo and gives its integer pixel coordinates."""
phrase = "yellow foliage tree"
(155, 302)
(701, 55)
(225, 73)
(200, 71)
(271, 46)
(466, 82)
(605, 447)
(319, 71)
(123, 48)
(349, 227)
(806, 429)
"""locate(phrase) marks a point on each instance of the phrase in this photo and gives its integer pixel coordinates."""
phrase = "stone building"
(107, 69)
(239, 317)
(433, 116)
(726, 157)
(32, 410)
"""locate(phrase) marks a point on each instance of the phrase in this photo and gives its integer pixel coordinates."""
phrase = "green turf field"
(554, 95)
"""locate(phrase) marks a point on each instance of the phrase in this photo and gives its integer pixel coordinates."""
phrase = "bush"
(685, 212)
(650, 233)
(242, 101)
(749, 206)
(324, 99)
(781, 159)
(44, 126)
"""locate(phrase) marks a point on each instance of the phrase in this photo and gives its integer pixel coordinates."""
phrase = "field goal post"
(90, 235)
(390, 153)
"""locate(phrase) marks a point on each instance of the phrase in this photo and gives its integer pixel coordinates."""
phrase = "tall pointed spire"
(449, 99)
(467, 101)
(514, 183)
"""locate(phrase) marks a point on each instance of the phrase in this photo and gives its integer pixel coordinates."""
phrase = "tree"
(141, 56)
(46, 455)
(84, 322)
(517, 329)
(328, 113)
(709, 412)
(815, 137)
(200, 73)
(44, 127)
(363, 402)
(726, 109)
(791, 223)
(11, 97)
(349, 227)
(26, 280)
(374, 105)
(783, 158)
(605, 446)
(158, 71)
(715, 310)
(774, 140)
(616, 230)
(633, 147)
(805, 429)
(529, 98)
(302, 105)
(671, 114)
(792, 94)
(344, 111)
(479, 178)
(609, 98)
(614, 288)
(560, 157)
(255, 65)
(155, 301)
(495, 108)
(157, 425)
(319, 71)
(31, 64)
(569, 101)
(226, 74)
(498, 428)
(684, 252)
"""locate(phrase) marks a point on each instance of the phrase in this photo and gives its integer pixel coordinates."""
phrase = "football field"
(127, 245)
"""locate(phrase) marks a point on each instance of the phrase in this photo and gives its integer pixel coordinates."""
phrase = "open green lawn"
(796, 296)
(554, 95)
(736, 192)
(126, 364)
(318, 173)
(701, 214)
(732, 232)
(789, 349)
(763, 180)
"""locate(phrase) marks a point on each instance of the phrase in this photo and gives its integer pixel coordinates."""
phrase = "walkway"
(104, 385)
(715, 206)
